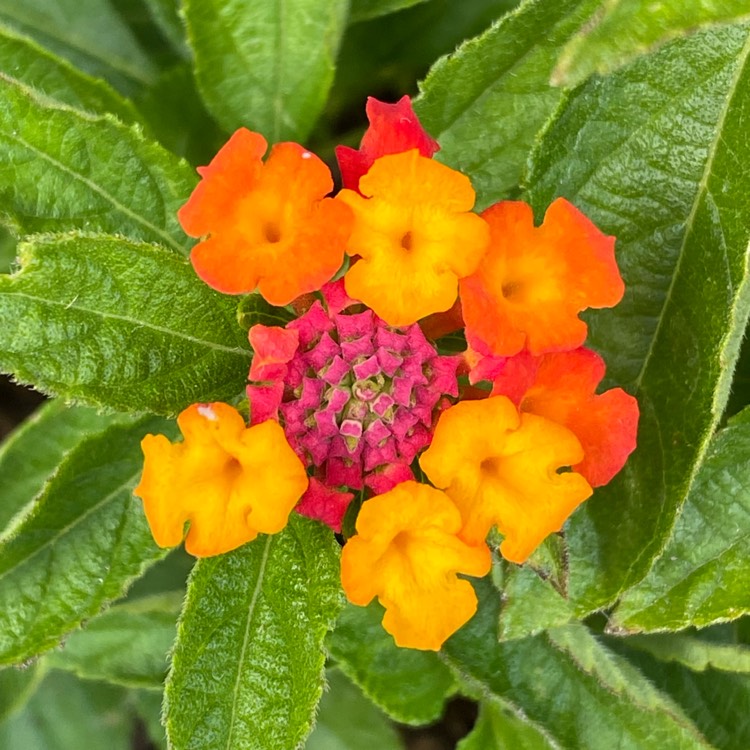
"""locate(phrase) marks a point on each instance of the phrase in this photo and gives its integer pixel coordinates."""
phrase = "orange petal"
(407, 553)
(229, 481)
(562, 387)
(501, 469)
(533, 281)
(415, 237)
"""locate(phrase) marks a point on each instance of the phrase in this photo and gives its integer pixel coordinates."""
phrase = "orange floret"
(415, 237)
(562, 387)
(407, 553)
(533, 281)
(269, 225)
(229, 481)
(501, 469)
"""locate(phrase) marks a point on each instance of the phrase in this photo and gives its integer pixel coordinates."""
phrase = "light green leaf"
(626, 28)
(67, 714)
(410, 686)
(364, 10)
(84, 542)
(566, 685)
(650, 155)
(61, 169)
(702, 575)
(486, 116)
(126, 645)
(17, 685)
(31, 454)
(26, 61)
(348, 721)
(89, 33)
(265, 64)
(120, 324)
(498, 727)
(247, 668)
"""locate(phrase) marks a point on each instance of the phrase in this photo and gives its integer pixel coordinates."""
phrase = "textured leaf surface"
(626, 28)
(119, 323)
(577, 693)
(27, 62)
(67, 714)
(702, 575)
(84, 542)
(126, 645)
(651, 155)
(61, 170)
(486, 102)
(498, 727)
(410, 686)
(347, 720)
(363, 10)
(89, 33)
(265, 64)
(247, 668)
(31, 454)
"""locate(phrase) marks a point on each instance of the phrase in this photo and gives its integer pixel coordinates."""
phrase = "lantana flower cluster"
(355, 397)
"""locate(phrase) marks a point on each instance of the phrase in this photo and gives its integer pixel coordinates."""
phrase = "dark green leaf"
(89, 33)
(410, 686)
(27, 62)
(348, 721)
(167, 17)
(121, 324)
(363, 10)
(31, 454)
(702, 574)
(574, 691)
(650, 154)
(7, 250)
(126, 645)
(486, 116)
(247, 668)
(253, 309)
(265, 64)
(17, 685)
(61, 169)
(626, 28)
(148, 705)
(85, 540)
(67, 714)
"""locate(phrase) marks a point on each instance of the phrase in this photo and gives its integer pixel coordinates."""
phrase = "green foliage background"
(629, 632)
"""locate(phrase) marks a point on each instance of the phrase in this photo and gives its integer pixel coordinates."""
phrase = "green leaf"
(364, 10)
(147, 704)
(85, 540)
(126, 645)
(348, 721)
(650, 155)
(247, 668)
(573, 690)
(410, 686)
(17, 685)
(61, 169)
(89, 33)
(265, 64)
(718, 702)
(253, 309)
(7, 250)
(486, 116)
(498, 727)
(701, 576)
(626, 28)
(52, 76)
(66, 714)
(30, 455)
(167, 17)
(693, 652)
(120, 324)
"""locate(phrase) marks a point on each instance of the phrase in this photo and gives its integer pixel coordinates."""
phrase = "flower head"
(414, 235)
(269, 225)
(501, 469)
(533, 281)
(393, 128)
(562, 388)
(407, 552)
(229, 481)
